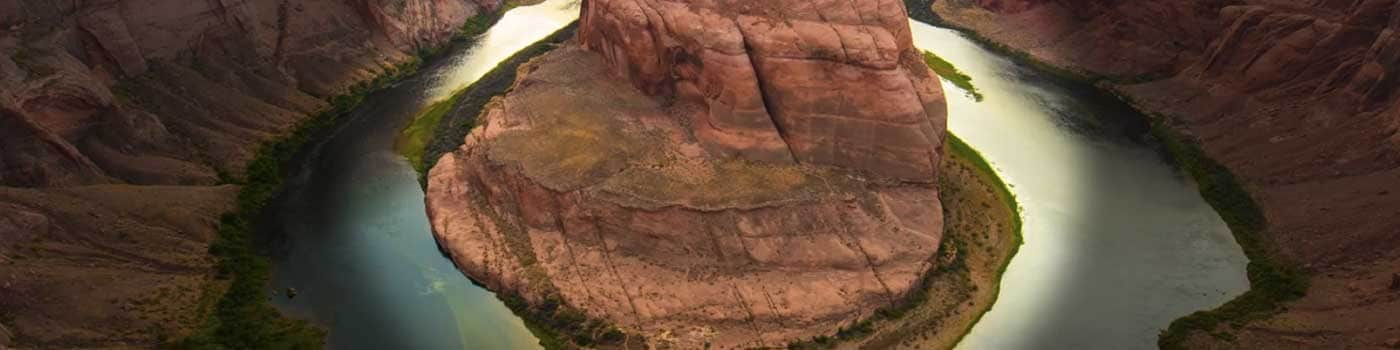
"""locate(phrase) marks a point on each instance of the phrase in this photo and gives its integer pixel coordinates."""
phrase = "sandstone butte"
(117, 118)
(725, 172)
(1299, 99)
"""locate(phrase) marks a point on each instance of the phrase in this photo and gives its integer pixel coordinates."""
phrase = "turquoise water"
(355, 241)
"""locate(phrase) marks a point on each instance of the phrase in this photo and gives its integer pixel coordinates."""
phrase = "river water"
(356, 241)
(1117, 242)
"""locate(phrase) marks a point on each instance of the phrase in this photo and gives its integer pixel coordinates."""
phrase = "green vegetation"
(442, 128)
(559, 326)
(460, 110)
(243, 318)
(959, 148)
(950, 246)
(946, 70)
(1272, 280)
(413, 140)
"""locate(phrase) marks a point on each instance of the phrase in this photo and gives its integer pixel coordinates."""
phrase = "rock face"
(822, 82)
(117, 118)
(680, 173)
(1301, 100)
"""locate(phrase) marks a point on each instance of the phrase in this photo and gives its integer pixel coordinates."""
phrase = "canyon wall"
(726, 174)
(1300, 99)
(119, 118)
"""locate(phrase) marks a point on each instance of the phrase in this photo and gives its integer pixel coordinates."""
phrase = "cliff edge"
(120, 123)
(722, 173)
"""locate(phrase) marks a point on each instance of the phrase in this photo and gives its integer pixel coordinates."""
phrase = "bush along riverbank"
(946, 70)
(982, 232)
(443, 128)
(242, 318)
(414, 137)
(1273, 279)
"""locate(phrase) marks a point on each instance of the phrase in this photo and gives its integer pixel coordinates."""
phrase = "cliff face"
(129, 110)
(681, 173)
(1300, 99)
(822, 82)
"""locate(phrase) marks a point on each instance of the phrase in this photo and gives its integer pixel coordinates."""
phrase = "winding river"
(357, 245)
(1117, 242)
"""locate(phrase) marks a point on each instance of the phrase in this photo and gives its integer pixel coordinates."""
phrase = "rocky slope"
(1300, 99)
(730, 173)
(119, 117)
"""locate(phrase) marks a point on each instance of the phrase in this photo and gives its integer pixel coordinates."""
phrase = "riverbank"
(1273, 279)
(982, 232)
(445, 125)
(242, 317)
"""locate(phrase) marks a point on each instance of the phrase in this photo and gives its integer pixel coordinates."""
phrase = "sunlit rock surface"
(707, 173)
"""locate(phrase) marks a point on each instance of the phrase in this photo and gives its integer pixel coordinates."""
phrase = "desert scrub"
(946, 70)
(960, 256)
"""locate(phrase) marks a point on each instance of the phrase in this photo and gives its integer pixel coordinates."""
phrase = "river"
(356, 243)
(1117, 242)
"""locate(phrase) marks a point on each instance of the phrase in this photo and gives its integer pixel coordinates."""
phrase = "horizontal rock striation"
(576, 187)
(1301, 100)
(706, 174)
(119, 117)
(820, 82)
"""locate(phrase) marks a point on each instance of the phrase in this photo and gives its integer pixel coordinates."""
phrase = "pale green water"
(1117, 242)
(357, 245)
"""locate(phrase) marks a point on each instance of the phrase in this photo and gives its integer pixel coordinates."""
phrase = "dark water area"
(351, 232)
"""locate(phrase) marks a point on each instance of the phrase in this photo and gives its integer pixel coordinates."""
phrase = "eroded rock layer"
(117, 119)
(831, 82)
(577, 187)
(1300, 99)
(706, 173)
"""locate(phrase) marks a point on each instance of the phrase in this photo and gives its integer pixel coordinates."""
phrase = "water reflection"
(355, 240)
(1117, 242)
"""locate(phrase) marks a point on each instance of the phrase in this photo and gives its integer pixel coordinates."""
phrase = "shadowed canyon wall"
(1299, 99)
(120, 118)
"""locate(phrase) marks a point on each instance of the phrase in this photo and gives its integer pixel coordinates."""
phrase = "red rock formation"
(99, 99)
(1299, 99)
(766, 177)
(821, 82)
